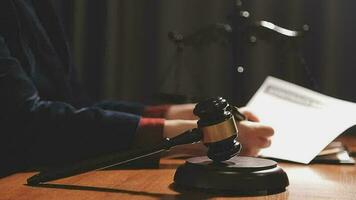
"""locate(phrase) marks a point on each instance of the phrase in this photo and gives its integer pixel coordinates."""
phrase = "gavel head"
(219, 129)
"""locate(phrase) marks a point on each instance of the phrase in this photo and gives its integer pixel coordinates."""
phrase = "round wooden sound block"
(241, 175)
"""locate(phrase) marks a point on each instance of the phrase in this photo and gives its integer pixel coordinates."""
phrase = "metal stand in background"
(205, 36)
(247, 32)
(240, 32)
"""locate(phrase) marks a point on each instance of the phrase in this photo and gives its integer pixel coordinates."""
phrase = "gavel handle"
(188, 137)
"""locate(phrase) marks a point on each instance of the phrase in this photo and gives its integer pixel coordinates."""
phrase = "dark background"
(122, 51)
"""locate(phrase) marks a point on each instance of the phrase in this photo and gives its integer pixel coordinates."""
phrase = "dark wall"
(65, 10)
(328, 47)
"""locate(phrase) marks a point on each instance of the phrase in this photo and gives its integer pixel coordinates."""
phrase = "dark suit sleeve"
(122, 106)
(37, 132)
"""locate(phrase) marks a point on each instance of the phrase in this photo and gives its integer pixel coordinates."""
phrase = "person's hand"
(248, 114)
(185, 111)
(253, 135)
(173, 128)
(181, 111)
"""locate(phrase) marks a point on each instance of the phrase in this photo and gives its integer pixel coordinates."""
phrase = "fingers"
(253, 137)
(249, 115)
(255, 128)
(264, 142)
(253, 150)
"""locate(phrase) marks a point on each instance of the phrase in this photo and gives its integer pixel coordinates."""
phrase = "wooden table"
(314, 181)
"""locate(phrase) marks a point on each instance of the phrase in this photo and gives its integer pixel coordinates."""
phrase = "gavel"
(217, 122)
(216, 129)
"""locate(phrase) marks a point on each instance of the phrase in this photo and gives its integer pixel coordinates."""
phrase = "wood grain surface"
(314, 181)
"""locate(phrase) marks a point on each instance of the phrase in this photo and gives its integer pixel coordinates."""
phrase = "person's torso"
(40, 57)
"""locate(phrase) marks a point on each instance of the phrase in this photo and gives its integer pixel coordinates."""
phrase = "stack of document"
(305, 121)
(334, 153)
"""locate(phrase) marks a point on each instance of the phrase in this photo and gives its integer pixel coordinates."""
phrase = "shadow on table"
(121, 191)
(182, 193)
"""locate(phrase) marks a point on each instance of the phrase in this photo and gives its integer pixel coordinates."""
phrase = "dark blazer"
(42, 119)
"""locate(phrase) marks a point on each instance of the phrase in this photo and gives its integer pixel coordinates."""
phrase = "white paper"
(304, 121)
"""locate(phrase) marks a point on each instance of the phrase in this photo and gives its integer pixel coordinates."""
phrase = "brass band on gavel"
(220, 131)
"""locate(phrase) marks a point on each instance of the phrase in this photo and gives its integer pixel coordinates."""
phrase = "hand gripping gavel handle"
(188, 137)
